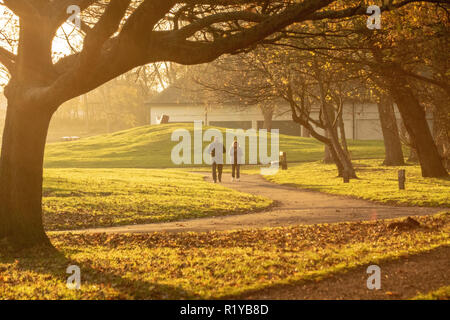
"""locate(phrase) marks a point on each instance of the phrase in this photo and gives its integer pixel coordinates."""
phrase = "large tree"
(118, 35)
(400, 55)
(407, 56)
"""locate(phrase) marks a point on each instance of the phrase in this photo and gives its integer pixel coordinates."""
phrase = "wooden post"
(283, 160)
(401, 179)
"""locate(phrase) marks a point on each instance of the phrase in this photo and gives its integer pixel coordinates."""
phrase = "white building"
(361, 121)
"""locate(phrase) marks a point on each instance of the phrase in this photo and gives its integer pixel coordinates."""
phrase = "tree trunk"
(420, 134)
(391, 137)
(337, 161)
(328, 157)
(441, 127)
(342, 133)
(414, 119)
(21, 168)
(413, 155)
(305, 133)
(268, 118)
(343, 156)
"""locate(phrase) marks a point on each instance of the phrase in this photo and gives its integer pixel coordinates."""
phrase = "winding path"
(292, 207)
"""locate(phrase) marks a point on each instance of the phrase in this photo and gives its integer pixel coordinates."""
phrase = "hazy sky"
(8, 28)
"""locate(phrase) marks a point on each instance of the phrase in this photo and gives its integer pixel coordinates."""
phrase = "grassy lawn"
(91, 183)
(208, 265)
(151, 146)
(376, 182)
(79, 198)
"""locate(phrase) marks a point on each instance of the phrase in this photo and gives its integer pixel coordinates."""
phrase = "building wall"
(361, 121)
(189, 113)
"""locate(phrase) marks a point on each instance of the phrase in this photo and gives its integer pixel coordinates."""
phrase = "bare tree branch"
(103, 30)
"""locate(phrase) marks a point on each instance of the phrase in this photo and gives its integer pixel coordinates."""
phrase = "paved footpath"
(292, 207)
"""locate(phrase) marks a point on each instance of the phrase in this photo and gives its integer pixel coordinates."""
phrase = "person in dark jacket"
(216, 150)
(236, 160)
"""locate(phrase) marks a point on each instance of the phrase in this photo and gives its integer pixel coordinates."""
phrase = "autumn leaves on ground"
(268, 263)
(292, 262)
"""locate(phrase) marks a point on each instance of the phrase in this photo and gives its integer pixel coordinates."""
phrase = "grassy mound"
(151, 146)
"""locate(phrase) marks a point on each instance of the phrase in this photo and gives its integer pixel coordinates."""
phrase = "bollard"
(401, 179)
(283, 160)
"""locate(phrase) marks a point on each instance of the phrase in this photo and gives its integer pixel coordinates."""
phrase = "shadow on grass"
(349, 282)
(52, 264)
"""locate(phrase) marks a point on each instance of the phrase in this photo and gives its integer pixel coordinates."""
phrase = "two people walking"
(216, 150)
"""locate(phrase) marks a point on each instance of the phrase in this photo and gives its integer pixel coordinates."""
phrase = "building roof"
(177, 95)
(186, 92)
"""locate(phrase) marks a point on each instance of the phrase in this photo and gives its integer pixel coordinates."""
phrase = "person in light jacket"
(236, 160)
(216, 150)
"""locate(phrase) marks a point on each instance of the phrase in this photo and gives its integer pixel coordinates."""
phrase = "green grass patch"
(208, 265)
(151, 147)
(376, 182)
(81, 198)
(440, 294)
